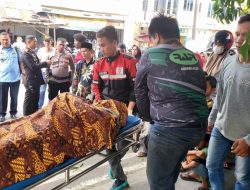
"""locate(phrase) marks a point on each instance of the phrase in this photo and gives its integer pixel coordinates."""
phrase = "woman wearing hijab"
(223, 41)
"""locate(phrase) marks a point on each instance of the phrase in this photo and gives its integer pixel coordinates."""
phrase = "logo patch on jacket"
(119, 70)
(183, 57)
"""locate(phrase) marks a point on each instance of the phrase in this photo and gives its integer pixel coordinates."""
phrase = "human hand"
(130, 112)
(49, 62)
(240, 148)
(210, 127)
(200, 154)
(97, 100)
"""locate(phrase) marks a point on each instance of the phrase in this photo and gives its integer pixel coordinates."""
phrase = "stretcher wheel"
(135, 148)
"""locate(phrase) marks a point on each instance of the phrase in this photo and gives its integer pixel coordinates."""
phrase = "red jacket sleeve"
(132, 73)
(95, 84)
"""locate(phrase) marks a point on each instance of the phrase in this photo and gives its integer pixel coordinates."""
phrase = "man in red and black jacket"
(114, 74)
(113, 78)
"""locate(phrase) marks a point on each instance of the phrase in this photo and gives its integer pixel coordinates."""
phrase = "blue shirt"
(9, 67)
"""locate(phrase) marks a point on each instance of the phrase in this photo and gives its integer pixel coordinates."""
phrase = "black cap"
(86, 45)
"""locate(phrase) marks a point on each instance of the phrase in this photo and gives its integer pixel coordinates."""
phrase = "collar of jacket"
(112, 58)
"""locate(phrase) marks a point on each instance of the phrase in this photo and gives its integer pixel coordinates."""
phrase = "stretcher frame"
(126, 135)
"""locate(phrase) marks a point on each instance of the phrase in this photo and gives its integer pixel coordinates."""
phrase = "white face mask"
(218, 50)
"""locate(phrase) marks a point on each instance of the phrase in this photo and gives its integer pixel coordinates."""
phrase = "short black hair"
(212, 81)
(29, 37)
(245, 18)
(109, 32)
(122, 46)
(80, 37)
(165, 26)
(86, 45)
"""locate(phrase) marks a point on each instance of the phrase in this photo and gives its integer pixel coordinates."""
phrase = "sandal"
(183, 169)
(187, 177)
(141, 154)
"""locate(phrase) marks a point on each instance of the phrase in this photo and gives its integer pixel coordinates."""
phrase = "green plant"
(226, 11)
(245, 46)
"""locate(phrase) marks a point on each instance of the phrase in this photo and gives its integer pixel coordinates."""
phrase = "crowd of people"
(195, 107)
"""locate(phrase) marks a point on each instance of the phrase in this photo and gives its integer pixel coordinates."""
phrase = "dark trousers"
(30, 104)
(55, 87)
(115, 163)
(4, 92)
(167, 147)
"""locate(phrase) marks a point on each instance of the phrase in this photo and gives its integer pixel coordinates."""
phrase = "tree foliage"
(245, 47)
(227, 11)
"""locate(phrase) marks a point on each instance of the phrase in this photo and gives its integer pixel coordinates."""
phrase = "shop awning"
(18, 16)
(81, 24)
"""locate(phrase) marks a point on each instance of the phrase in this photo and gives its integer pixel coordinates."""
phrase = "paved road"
(134, 167)
(98, 179)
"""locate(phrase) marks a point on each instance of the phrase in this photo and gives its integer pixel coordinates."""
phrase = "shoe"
(110, 174)
(119, 185)
(13, 116)
(2, 118)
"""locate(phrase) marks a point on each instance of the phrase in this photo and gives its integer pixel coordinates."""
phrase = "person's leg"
(4, 90)
(218, 148)
(143, 144)
(201, 173)
(31, 98)
(242, 173)
(42, 95)
(53, 90)
(115, 163)
(36, 99)
(64, 87)
(14, 89)
(144, 140)
(191, 176)
(190, 165)
(117, 172)
(167, 147)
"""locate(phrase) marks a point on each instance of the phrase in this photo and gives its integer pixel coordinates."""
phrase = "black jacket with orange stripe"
(114, 77)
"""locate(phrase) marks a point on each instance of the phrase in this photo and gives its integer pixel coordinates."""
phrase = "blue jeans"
(4, 90)
(218, 148)
(43, 88)
(167, 147)
(201, 170)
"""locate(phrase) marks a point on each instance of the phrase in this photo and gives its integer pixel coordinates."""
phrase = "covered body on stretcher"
(67, 127)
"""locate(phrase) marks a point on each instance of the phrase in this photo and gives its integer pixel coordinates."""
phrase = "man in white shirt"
(44, 54)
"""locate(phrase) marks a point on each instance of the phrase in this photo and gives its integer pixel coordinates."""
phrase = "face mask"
(218, 50)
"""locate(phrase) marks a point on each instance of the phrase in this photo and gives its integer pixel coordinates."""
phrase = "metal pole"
(195, 19)
(54, 32)
(67, 176)
(145, 9)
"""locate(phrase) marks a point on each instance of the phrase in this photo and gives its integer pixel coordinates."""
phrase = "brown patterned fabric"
(66, 127)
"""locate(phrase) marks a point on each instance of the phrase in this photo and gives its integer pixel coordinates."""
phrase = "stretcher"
(129, 132)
